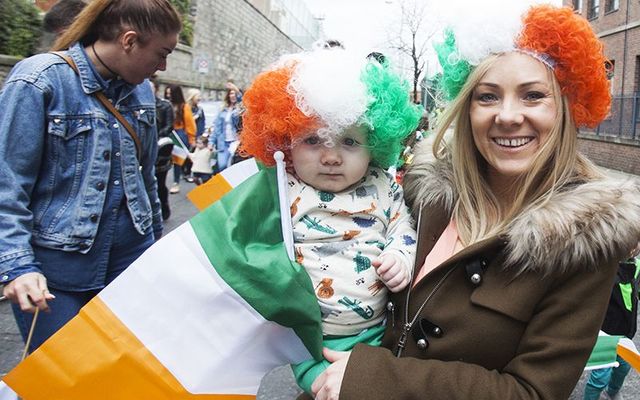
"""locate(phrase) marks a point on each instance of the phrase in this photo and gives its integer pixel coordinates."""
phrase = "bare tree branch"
(413, 39)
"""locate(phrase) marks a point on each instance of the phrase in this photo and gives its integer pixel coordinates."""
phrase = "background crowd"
(513, 277)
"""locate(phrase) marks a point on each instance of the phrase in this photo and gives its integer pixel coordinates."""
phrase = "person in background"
(61, 15)
(621, 319)
(164, 125)
(57, 19)
(226, 125)
(201, 158)
(167, 93)
(193, 99)
(185, 127)
(79, 195)
(519, 235)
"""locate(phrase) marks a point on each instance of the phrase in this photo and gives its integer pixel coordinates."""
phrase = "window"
(610, 66)
(637, 89)
(594, 9)
(577, 5)
(636, 84)
(611, 5)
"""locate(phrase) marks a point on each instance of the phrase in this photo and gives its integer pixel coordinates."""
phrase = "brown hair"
(227, 97)
(177, 99)
(107, 19)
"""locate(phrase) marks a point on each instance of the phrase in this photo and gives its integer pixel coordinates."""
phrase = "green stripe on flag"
(604, 352)
(241, 235)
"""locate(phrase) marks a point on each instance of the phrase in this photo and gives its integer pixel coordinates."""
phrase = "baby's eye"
(350, 142)
(312, 140)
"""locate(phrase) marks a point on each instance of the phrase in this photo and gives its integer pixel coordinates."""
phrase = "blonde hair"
(107, 19)
(477, 212)
(191, 93)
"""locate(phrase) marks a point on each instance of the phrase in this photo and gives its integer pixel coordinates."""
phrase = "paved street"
(277, 385)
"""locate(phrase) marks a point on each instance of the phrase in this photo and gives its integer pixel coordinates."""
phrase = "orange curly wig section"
(272, 120)
(580, 64)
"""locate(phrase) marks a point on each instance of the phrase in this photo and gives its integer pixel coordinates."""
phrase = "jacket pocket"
(68, 150)
(146, 116)
(69, 127)
(145, 121)
(514, 298)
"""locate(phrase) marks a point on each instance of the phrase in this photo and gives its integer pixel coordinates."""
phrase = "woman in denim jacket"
(77, 203)
(226, 125)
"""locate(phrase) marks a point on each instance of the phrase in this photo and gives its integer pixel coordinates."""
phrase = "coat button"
(100, 186)
(476, 279)
(94, 217)
(106, 155)
(422, 344)
(437, 332)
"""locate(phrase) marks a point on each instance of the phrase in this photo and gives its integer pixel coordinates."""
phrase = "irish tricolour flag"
(608, 347)
(204, 313)
(180, 151)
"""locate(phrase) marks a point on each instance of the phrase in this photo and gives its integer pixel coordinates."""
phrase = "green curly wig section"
(454, 70)
(390, 116)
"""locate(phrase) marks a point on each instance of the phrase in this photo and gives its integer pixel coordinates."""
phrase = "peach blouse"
(446, 246)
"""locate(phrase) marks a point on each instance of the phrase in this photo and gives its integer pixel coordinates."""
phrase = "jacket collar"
(581, 227)
(90, 80)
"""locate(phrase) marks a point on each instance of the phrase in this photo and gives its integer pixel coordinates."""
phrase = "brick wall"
(45, 5)
(619, 31)
(612, 153)
(611, 30)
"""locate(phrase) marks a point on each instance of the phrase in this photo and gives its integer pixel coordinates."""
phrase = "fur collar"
(582, 227)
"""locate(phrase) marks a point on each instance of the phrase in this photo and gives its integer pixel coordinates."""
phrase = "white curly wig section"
(479, 33)
(327, 84)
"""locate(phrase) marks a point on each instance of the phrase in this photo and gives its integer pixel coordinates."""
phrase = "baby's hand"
(390, 269)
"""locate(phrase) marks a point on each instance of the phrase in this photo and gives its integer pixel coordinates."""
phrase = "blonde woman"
(193, 99)
(519, 235)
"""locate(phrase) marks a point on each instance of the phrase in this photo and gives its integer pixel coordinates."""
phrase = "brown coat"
(525, 329)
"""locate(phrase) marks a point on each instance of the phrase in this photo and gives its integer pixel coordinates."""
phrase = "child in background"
(201, 158)
(621, 319)
(340, 120)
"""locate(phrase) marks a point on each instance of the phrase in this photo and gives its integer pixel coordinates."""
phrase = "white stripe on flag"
(6, 393)
(197, 326)
(238, 173)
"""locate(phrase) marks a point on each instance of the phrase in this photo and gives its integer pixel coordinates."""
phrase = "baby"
(340, 121)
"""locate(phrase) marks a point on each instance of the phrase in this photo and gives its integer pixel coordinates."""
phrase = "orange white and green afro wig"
(557, 36)
(324, 92)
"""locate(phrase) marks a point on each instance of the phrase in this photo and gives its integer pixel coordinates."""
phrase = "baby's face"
(332, 168)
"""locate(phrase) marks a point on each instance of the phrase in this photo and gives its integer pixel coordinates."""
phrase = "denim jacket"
(55, 152)
(218, 126)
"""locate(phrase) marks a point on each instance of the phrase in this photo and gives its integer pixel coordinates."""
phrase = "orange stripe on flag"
(205, 195)
(629, 356)
(177, 160)
(118, 366)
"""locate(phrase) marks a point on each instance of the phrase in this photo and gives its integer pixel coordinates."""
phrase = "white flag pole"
(285, 212)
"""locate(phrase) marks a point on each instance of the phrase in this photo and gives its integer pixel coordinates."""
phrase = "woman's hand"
(327, 385)
(29, 291)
